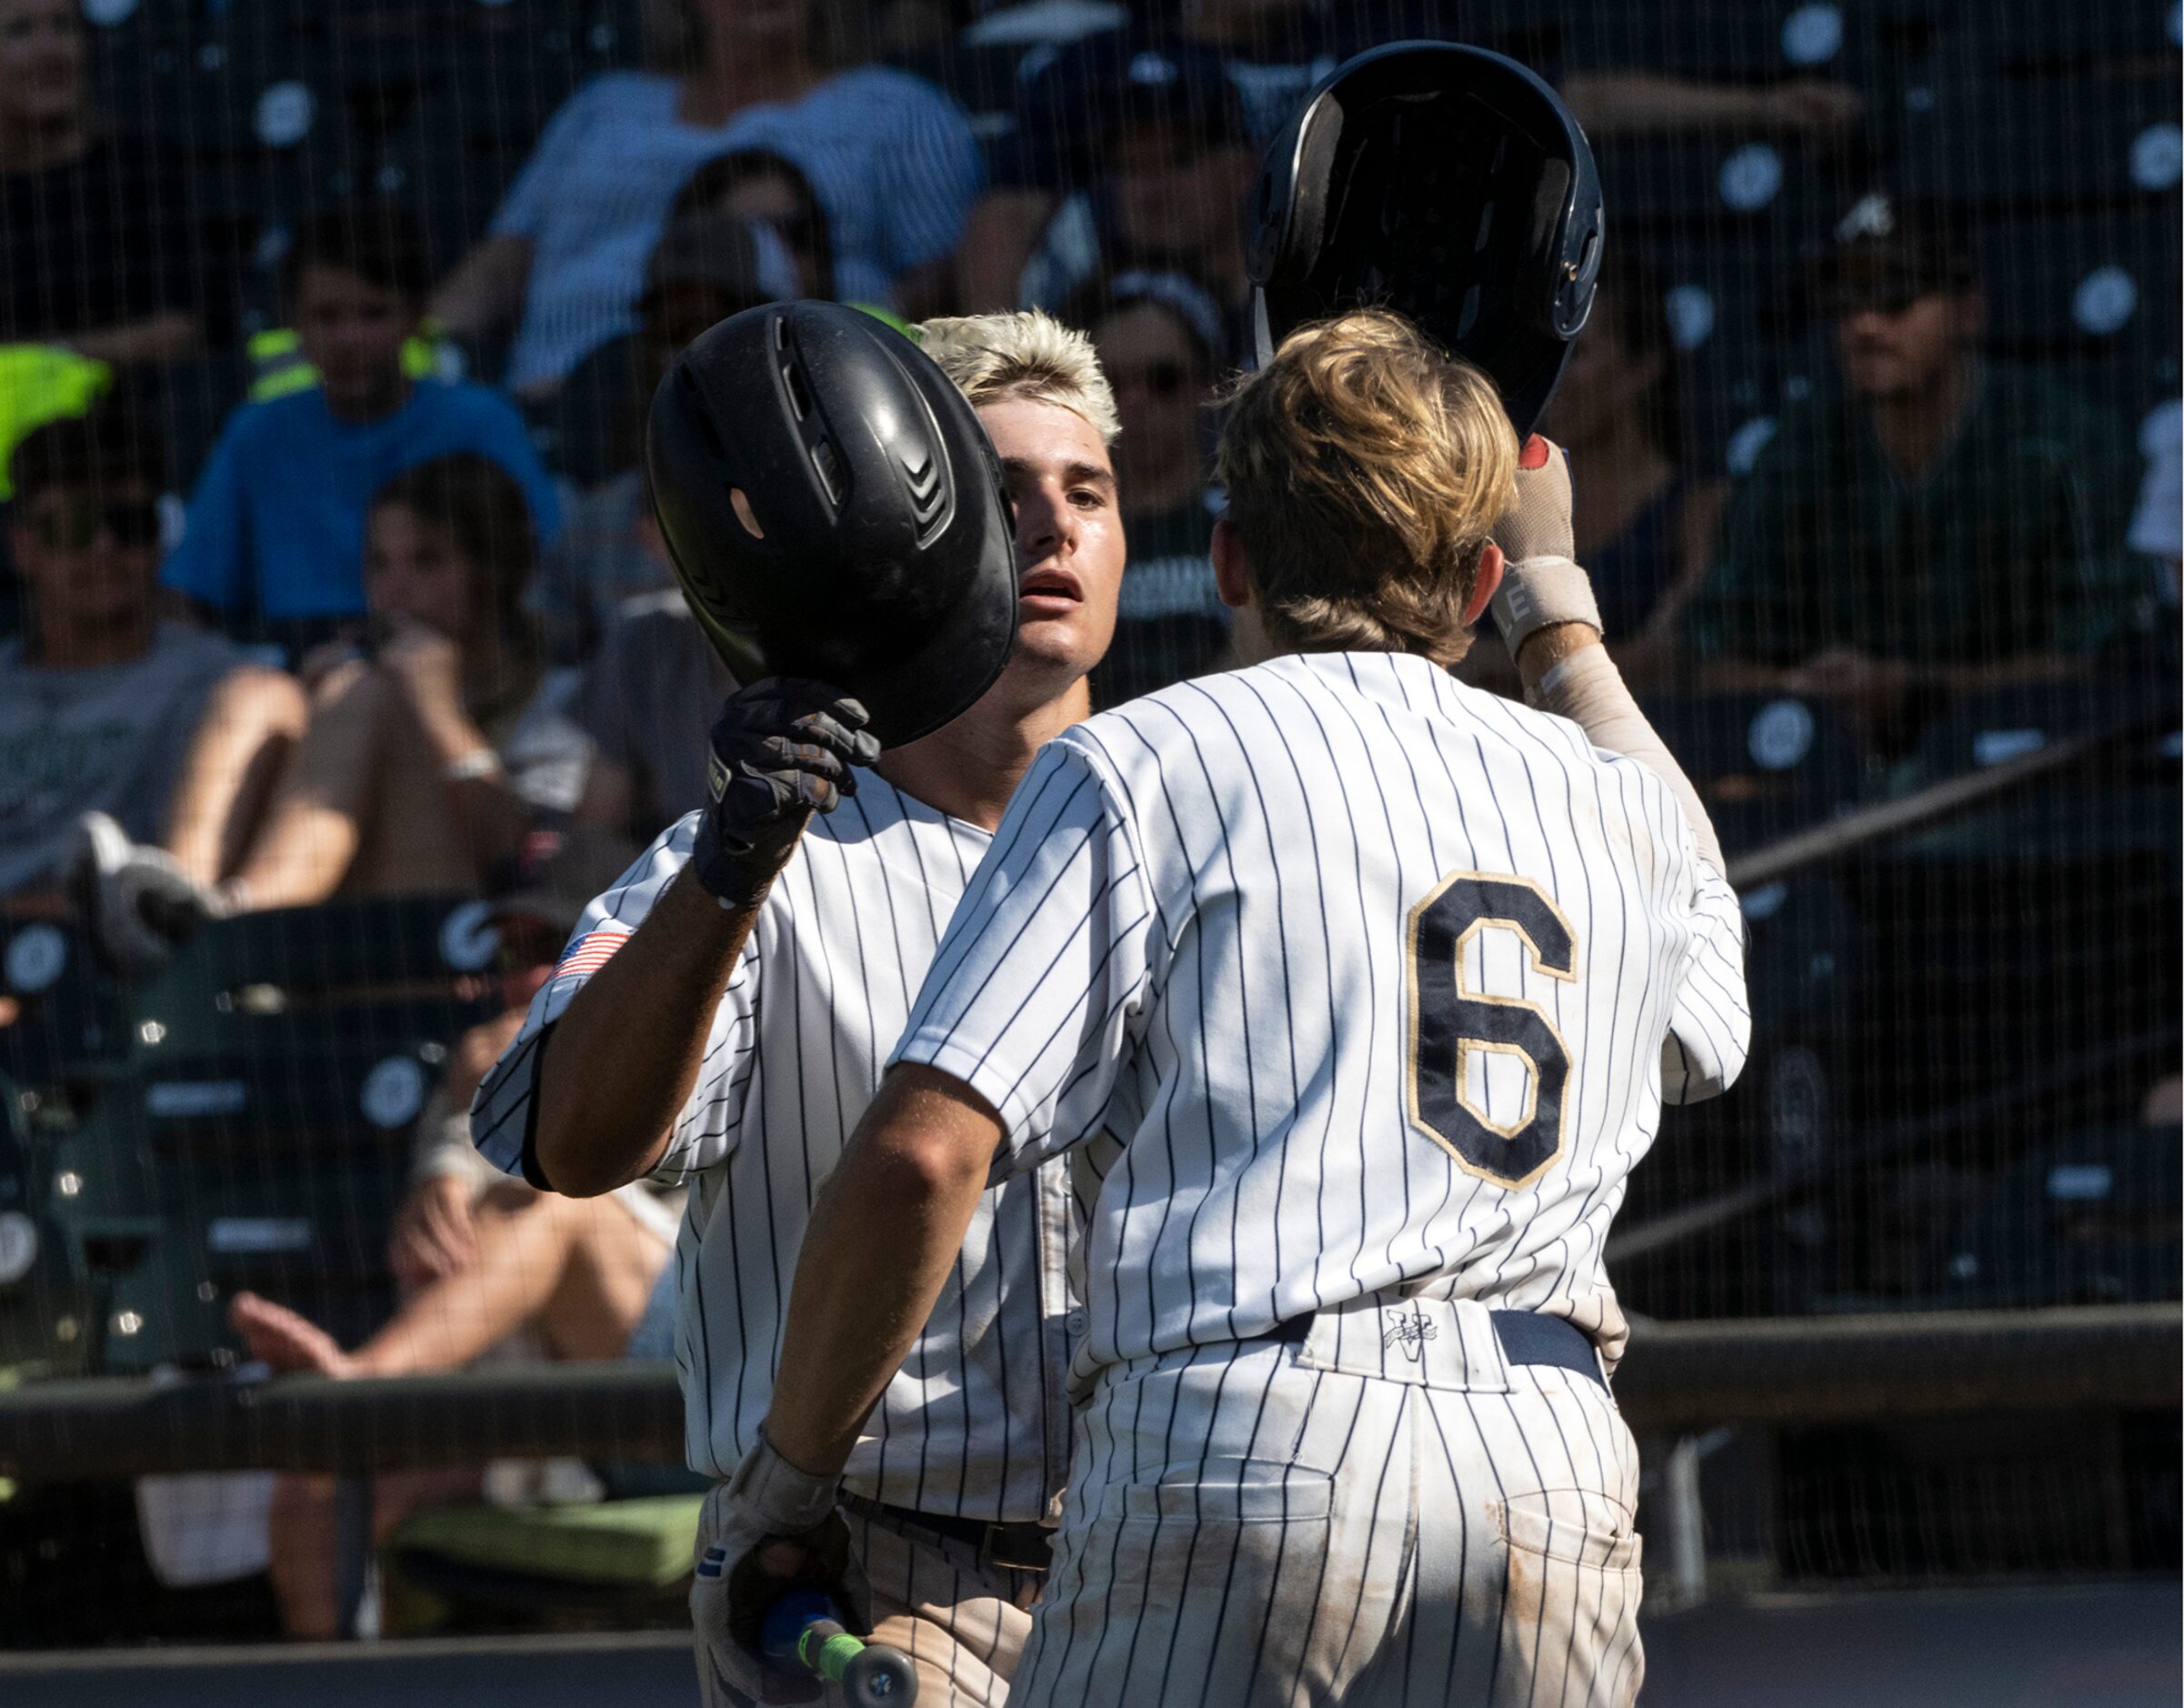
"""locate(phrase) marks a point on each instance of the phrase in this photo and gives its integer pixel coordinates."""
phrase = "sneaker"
(137, 902)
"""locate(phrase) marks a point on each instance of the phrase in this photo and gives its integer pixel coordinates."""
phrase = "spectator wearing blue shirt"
(892, 159)
(275, 539)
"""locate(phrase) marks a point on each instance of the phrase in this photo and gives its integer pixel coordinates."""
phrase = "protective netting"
(1876, 439)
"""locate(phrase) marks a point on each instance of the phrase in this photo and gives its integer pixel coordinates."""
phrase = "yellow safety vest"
(41, 383)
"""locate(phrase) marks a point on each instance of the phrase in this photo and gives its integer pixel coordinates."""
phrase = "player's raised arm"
(1551, 623)
(617, 1068)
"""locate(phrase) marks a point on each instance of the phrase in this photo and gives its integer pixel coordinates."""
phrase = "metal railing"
(1677, 1377)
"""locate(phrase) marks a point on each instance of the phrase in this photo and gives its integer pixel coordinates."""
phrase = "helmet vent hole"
(829, 465)
(799, 399)
(740, 503)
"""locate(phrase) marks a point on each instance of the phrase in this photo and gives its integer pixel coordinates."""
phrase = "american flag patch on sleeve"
(589, 952)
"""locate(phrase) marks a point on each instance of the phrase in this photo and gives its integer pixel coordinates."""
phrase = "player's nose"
(1046, 524)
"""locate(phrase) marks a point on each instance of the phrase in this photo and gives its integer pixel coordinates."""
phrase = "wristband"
(1539, 593)
(739, 875)
(783, 1500)
(478, 762)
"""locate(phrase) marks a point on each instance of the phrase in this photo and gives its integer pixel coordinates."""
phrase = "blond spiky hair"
(1026, 354)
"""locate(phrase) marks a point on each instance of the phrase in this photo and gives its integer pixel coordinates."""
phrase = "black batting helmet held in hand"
(1448, 184)
(873, 547)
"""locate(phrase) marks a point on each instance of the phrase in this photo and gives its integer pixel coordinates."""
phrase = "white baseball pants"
(1388, 1512)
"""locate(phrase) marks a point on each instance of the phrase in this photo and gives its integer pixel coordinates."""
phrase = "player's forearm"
(1568, 672)
(884, 1235)
(624, 1056)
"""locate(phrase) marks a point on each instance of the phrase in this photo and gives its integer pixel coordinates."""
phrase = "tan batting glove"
(1542, 584)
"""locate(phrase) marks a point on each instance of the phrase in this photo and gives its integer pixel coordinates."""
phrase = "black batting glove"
(783, 749)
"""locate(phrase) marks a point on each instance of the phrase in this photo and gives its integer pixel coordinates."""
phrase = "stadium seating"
(630, 1558)
(46, 1303)
(2095, 1217)
(2123, 801)
(1766, 764)
(2031, 941)
(242, 1120)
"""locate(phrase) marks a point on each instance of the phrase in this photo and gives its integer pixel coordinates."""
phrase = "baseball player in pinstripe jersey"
(735, 1047)
(1353, 995)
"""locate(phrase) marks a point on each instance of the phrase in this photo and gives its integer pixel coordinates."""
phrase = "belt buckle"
(995, 1550)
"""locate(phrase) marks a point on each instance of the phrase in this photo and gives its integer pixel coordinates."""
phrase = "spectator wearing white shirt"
(892, 159)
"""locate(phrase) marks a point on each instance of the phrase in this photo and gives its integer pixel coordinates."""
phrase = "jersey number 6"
(1451, 1024)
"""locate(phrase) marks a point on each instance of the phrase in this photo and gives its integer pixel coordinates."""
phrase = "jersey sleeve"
(504, 1113)
(1032, 995)
(1710, 1025)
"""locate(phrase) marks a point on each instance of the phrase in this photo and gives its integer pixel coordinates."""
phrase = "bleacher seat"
(46, 1309)
(244, 1118)
(1747, 349)
(2093, 1217)
(2122, 802)
(2093, 294)
(2044, 140)
(1766, 764)
(2117, 34)
(633, 1556)
(1738, 188)
(70, 1025)
(2032, 939)
(1746, 41)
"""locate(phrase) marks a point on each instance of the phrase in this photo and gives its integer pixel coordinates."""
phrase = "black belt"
(1526, 1337)
(1019, 1547)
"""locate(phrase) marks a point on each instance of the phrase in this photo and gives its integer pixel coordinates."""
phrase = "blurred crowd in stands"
(386, 644)
(402, 622)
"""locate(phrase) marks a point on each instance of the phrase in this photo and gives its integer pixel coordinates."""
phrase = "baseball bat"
(804, 1630)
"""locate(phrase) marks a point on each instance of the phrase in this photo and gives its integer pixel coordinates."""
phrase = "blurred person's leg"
(315, 825)
(249, 728)
(579, 1272)
(361, 809)
(304, 1531)
(412, 843)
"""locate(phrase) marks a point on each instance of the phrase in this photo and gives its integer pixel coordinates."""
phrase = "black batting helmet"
(872, 547)
(1448, 184)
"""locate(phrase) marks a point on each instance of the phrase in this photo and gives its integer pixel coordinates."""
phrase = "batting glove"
(1542, 584)
(783, 749)
(770, 1530)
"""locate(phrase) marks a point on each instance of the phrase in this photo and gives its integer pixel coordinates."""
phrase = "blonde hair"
(1023, 354)
(1365, 467)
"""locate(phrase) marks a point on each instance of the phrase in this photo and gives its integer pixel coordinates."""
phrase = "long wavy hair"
(482, 512)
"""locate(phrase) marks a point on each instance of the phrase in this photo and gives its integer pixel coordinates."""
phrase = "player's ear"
(1488, 582)
(1231, 567)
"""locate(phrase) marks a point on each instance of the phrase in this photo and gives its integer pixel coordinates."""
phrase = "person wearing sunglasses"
(168, 732)
(1156, 334)
(1939, 524)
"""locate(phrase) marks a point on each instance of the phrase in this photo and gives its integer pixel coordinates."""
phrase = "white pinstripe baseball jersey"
(1347, 979)
(975, 1424)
